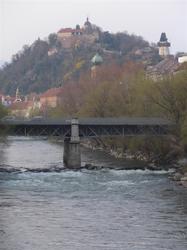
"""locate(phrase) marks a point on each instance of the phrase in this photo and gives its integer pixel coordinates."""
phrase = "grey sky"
(23, 21)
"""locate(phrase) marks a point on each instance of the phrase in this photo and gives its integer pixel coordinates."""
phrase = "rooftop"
(163, 40)
(108, 121)
(163, 37)
(166, 67)
(52, 92)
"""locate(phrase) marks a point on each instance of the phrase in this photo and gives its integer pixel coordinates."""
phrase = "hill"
(67, 54)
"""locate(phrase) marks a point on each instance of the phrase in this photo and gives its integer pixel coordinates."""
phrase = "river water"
(85, 210)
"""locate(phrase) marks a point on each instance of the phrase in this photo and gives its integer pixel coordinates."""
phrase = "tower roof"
(163, 37)
(163, 40)
(97, 59)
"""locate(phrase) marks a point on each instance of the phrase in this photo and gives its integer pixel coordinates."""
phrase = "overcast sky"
(23, 21)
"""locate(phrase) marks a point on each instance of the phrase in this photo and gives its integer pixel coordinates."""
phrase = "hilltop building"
(69, 32)
(96, 61)
(70, 38)
(88, 27)
(163, 45)
(169, 65)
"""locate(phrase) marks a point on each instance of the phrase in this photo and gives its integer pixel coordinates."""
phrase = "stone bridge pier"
(72, 153)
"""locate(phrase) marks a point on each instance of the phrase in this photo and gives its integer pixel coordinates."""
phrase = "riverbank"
(152, 161)
(180, 174)
(179, 167)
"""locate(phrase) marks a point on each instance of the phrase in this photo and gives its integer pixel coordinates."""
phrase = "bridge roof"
(124, 121)
(93, 121)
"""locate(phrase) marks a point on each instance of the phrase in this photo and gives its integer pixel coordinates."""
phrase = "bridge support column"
(72, 152)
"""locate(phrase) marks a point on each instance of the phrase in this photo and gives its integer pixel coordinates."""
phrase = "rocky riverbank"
(180, 174)
(153, 162)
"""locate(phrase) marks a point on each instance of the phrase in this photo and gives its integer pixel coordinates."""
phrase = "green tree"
(3, 111)
(170, 96)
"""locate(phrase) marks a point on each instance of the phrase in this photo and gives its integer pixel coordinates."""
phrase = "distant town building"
(18, 96)
(51, 98)
(182, 58)
(1, 98)
(21, 109)
(163, 45)
(168, 66)
(21, 106)
(52, 51)
(25, 107)
(6, 100)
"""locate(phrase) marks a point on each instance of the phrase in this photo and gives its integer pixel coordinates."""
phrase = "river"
(84, 210)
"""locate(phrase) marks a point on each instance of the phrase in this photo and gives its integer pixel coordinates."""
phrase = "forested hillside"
(33, 70)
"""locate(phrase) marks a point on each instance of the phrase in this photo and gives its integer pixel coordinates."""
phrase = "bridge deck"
(90, 127)
(92, 121)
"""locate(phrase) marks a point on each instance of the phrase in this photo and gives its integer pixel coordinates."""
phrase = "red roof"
(52, 92)
(69, 30)
(66, 30)
(21, 105)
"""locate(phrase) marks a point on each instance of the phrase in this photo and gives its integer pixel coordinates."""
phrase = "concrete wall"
(72, 154)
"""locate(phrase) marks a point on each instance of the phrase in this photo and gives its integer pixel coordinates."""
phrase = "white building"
(182, 58)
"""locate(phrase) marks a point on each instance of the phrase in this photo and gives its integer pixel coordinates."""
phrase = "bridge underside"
(72, 131)
(88, 130)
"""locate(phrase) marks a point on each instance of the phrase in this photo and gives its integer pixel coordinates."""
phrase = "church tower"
(88, 27)
(163, 45)
(18, 97)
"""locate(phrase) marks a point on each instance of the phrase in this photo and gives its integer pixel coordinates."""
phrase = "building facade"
(51, 98)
